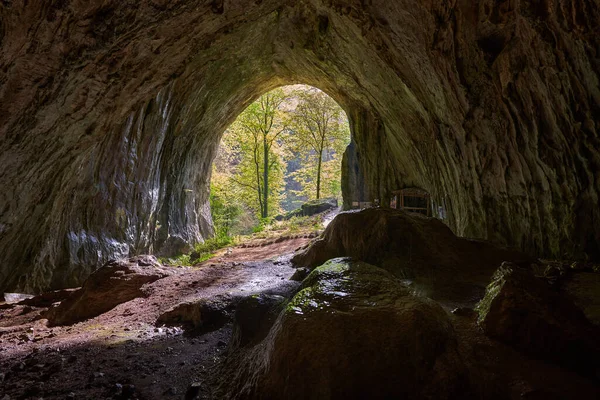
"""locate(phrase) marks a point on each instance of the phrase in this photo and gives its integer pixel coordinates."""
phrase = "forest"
(283, 150)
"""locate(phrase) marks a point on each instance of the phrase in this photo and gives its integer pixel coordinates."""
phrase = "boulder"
(48, 298)
(413, 247)
(174, 246)
(10, 298)
(352, 332)
(115, 283)
(200, 316)
(584, 289)
(254, 317)
(523, 311)
(318, 206)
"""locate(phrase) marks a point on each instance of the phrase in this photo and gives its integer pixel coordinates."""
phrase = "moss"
(492, 290)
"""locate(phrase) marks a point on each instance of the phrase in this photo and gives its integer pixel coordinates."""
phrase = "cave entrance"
(282, 152)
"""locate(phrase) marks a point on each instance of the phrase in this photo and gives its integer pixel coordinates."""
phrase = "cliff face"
(111, 113)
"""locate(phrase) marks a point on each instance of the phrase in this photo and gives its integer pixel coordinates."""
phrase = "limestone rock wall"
(111, 112)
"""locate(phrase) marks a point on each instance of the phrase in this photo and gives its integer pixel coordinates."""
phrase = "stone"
(16, 297)
(175, 246)
(254, 317)
(49, 298)
(200, 316)
(524, 312)
(109, 128)
(342, 334)
(193, 391)
(584, 289)
(318, 206)
(439, 264)
(115, 283)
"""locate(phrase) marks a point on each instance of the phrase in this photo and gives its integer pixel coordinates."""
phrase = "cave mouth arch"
(304, 133)
(104, 143)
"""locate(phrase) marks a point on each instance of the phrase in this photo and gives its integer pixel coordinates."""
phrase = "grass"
(206, 251)
(202, 252)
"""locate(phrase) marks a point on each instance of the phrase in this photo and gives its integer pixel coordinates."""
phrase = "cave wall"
(112, 111)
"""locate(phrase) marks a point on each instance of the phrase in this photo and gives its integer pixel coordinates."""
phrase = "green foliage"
(320, 136)
(285, 148)
(206, 250)
(256, 137)
(224, 210)
(202, 252)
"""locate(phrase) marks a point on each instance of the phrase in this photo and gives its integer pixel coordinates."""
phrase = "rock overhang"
(110, 130)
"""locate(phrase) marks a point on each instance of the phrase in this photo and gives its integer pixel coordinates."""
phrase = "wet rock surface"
(523, 311)
(115, 283)
(422, 251)
(112, 111)
(341, 335)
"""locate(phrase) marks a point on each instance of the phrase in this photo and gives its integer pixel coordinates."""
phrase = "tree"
(320, 133)
(257, 133)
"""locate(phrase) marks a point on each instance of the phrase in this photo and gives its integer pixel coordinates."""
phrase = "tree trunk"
(319, 176)
(265, 210)
(319, 167)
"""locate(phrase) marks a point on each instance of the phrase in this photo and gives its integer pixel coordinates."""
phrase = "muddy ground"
(122, 354)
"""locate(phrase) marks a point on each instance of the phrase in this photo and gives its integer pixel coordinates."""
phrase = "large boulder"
(115, 283)
(424, 250)
(584, 289)
(318, 206)
(254, 317)
(352, 332)
(522, 310)
(201, 315)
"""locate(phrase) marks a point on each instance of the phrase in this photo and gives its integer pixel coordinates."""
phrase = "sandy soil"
(122, 354)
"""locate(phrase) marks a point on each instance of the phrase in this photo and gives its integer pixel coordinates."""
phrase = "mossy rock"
(352, 332)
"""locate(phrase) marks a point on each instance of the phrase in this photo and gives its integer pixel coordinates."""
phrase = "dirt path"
(259, 251)
(122, 350)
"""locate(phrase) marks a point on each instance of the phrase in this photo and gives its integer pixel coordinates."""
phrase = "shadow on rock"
(351, 332)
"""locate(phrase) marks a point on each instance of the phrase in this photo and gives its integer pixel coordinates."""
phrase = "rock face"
(342, 334)
(521, 310)
(112, 111)
(414, 247)
(115, 283)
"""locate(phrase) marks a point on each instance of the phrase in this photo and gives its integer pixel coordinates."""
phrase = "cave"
(111, 113)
